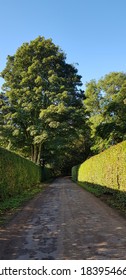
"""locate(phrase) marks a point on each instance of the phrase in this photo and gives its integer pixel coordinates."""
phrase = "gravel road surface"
(64, 222)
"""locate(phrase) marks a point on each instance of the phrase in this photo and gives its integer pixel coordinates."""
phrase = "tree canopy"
(46, 114)
(106, 110)
(42, 109)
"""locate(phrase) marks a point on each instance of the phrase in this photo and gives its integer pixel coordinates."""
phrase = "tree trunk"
(39, 153)
(32, 152)
(36, 153)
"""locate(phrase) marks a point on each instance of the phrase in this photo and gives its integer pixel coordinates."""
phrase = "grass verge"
(114, 198)
(10, 205)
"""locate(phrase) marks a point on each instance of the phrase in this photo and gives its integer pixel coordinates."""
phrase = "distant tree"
(106, 110)
(93, 109)
(43, 109)
(113, 126)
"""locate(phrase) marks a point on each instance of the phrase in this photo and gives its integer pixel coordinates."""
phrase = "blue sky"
(92, 33)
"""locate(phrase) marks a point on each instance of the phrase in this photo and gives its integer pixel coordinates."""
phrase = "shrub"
(106, 169)
(75, 172)
(17, 174)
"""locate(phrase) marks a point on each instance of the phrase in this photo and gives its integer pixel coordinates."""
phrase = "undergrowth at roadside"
(114, 198)
(11, 204)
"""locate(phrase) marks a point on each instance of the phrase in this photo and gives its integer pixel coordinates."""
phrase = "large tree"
(42, 99)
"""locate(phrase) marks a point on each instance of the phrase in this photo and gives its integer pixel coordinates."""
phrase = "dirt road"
(64, 222)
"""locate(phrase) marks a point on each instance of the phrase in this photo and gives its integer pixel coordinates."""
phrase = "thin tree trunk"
(35, 153)
(39, 153)
(32, 152)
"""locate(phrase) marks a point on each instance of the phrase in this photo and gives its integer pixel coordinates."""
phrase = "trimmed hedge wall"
(75, 172)
(106, 169)
(17, 174)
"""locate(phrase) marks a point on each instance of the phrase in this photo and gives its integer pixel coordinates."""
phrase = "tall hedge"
(17, 173)
(75, 172)
(106, 169)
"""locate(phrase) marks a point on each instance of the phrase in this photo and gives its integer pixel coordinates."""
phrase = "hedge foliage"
(18, 174)
(75, 172)
(106, 169)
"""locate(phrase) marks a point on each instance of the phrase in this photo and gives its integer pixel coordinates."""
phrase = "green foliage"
(104, 175)
(106, 169)
(42, 105)
(17, 174)
(75, 172)
(106, 110)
